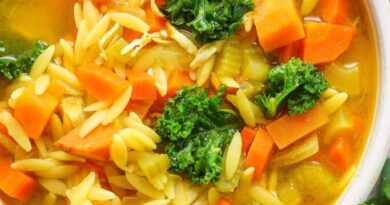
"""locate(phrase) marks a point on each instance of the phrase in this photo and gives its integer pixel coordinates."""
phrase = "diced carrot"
(248, 135)
(223, 201)
(100, 82)
(129, 35)
(288, 129)
(15, 183)
(141, 107)
(278, 23)
(155, 22)
(160, 2)
(289, 51)
(176, 80)
(259, 152)
(334, 11)
(3, 129)
(325, 42)
(33, 112)
(340, 153)
(95, 146)
(144, 87)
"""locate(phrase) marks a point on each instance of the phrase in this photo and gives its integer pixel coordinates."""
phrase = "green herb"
(196, 130)
(12, 67)
(208, 20)
(296, 83)
(383, 197)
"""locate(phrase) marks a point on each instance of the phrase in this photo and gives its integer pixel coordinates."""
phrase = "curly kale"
(196, 131)
(296, 83)
(12, 67)
(208, 20)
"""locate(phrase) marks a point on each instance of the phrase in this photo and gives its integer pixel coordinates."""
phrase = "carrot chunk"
(289, 51)
(155, 22)
(340, 153)
(141, 107)
(95, 146)
(288, 129)
(325, 42)
(129, 35)
(33, 111)
(144, 87)
(259, 153)
(248, 135)
(334, 11)
(278, 23)
(223, 201)
(100, 82)
(15, 183)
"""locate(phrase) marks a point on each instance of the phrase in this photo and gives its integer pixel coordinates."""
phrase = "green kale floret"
(12, 67)
(296, 83)
(208, 20)
(195, 131)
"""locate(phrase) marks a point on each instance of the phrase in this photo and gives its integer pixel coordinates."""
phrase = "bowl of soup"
(192, 102)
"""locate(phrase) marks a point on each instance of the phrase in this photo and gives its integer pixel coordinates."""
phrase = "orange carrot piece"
(3, 129)
(129, 35)
(95, 146)
(223, 201)
(259, 152)
(160, 3)
(288, 129)
(334, 11)
(325, 42)
(15, 183)
(278, 23)
(33, 112)
(289, 51)
(248, 135)
(144, 87)
(176, 80)
(155, 22)
(340, 153)
(141, 107)
(100, 82)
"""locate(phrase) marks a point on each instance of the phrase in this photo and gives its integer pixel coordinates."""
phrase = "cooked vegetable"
(296, 83)
(95, 146)
(278, 23)
(255, 65)
(33, 112)
(340, 153)
(196, 131)
(341, 124)
(325, 42)
(259, 153)
(383, 197)
(308, 6)
(12, 67)
(15, 183)
(141, 107)
(143, 85)
(223, 201)
(208, 20)
(155, 22)
(288, 194)
(100, 82)
(288, 129)
(289, 51)
(344, 78)
(229, 60)
(248, 135)
(334, 11)
(296, 152)
(129, 35)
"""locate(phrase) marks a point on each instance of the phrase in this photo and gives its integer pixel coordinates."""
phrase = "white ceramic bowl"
(379, 141)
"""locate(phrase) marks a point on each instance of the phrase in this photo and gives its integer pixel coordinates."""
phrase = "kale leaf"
(196, 131)
(208, 20)
(12, 67)
(296, 83)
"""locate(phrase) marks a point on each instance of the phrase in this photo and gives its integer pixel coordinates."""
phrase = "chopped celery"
(296, 153)
(255, 65)
(345, 78)
(250, 88)
(229, 61)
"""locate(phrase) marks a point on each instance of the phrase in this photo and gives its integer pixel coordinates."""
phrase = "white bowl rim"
(378, 144)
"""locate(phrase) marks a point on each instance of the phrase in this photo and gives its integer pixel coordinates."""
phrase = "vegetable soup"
(180, 102)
